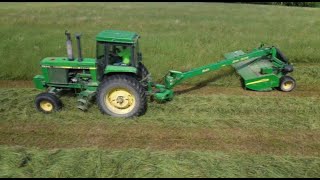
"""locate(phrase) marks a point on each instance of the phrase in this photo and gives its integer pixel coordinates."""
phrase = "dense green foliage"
(301, 4)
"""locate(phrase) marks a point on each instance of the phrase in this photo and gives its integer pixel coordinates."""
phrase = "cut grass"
(251, 110)
(84, 162)
(176, 36)
(273, 135)
(274, 124)
(104, 135)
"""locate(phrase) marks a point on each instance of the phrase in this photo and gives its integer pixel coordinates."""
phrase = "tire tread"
(52, 98)
(134, 83)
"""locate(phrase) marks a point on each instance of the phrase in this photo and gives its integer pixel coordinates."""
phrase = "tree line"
(301, 4)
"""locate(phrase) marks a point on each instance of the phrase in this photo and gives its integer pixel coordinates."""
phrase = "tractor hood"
(63, 62)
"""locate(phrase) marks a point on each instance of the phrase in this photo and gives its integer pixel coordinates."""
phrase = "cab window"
(119, 54)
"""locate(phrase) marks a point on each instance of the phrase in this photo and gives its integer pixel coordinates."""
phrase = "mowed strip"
(201, 89)
(102, 135)
(253, 124)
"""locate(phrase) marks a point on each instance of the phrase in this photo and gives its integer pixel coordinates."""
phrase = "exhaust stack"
(69, 46)
(79, 47)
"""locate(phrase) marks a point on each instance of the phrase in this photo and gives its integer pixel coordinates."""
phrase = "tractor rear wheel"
(142, 71)
(287, 84)
(47, 103)
(121, 96)
(142, 74)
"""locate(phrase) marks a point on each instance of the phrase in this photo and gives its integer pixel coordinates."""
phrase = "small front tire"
(47, 103)
(287, 84)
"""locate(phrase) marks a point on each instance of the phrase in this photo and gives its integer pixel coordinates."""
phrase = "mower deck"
(251, 72)
(251, 68)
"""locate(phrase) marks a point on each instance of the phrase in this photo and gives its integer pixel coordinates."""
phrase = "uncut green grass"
(84, 162)
(176, 36)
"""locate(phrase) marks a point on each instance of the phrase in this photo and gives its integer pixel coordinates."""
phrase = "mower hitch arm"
(174, 78)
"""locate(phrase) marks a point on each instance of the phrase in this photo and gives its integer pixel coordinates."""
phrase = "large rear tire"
(287, 84)
(142, 71)
(121, 96)
(142, 74)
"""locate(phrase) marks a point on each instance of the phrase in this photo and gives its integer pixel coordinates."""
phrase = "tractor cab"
(117, 49)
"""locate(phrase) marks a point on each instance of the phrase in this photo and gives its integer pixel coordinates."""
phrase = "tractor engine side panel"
(58, 75)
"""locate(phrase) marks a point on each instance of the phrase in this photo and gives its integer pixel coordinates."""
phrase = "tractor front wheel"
(287, 84)
(47, 103)
(121, 96)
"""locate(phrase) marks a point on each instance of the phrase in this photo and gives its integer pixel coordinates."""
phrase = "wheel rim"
(287, 85)
(46, 106)
(120, 101)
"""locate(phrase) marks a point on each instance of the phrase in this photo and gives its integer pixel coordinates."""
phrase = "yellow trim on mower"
(68, 67)
(259, 81)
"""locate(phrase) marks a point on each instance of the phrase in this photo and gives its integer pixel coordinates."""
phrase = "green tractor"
(115, 77)
(119, 82)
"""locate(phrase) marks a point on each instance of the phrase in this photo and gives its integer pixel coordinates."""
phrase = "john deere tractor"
(115, 77)
(119, 82)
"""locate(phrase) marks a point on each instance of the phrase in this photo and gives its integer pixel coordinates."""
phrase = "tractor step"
(84, 99)
(82, 104)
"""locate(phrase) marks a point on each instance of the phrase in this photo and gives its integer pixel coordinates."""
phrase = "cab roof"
(117, 36)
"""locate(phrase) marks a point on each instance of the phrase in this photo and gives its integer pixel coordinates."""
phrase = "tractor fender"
(112, 70)
(120, 69)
